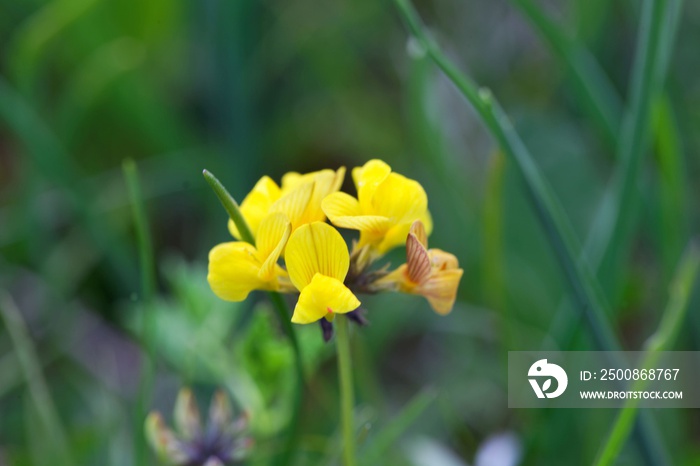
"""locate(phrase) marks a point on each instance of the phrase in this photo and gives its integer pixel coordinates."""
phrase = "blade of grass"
(148, 286)
(38, 390)
(671, 322)
(283, 314)
(546, 205)
(596, 92)
(613, 227)
(388, 436)
(672, 223)
(231, 207)
(656, 38)
(585, 289)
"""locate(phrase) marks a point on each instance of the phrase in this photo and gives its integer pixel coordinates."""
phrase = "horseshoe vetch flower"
(317, 261)
(386, 205)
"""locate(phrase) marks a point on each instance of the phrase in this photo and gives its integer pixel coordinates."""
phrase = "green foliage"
(601, 99)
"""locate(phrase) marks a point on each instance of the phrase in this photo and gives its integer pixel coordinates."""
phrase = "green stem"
(148, 286)
(347, 397)
(585, 288)
(662, 340)
(549, 211)
(614, 225)
(283, 314)
(292, 432)
(145, 244)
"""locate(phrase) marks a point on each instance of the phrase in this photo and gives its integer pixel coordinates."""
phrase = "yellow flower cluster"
(289, 222)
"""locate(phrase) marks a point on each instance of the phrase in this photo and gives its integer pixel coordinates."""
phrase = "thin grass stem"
(671, 322)
(148, 286)
(38, 390)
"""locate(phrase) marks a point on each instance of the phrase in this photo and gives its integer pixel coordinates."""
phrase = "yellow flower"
(237, 268)
(317, 260)
(386, 205)
(432, 273)
(299, 198)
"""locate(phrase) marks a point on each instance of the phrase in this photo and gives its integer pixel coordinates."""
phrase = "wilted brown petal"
(417, 259)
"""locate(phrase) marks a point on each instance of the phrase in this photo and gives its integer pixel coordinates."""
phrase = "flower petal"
(418, 230)
(322, 296)
(344, 211)
(272, 238)
(340, 204)
(367, 178)
(256, 205)
(220, 412)
(163, 440)
(417, 259)
(316, 248)
(294, 203)
(441, 290)
(233, 271)
(325, 183)
(427, 221)
(394, 236)
(401, 199)
(187, 419)
(441, 260)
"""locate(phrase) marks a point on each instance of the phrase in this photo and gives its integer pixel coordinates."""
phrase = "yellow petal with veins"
(233, 271)
(322, 296)
(271, 229)
(344, 211)
(294, 203)
(399, 198)
(256, 205)
(325, 183)
(316, 248)
(367, 178)
(272, 237)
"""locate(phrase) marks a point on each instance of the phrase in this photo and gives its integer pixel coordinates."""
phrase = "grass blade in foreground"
(397, 426)
(585, 289)
(148, 281)
(597, 94)
(283, 315)
(550, 213)
(662, 340)
(613, 226)
(31, 367)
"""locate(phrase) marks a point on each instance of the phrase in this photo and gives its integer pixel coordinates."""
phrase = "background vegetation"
(252, 87)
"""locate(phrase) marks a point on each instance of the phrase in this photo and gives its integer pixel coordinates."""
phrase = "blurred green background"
(251, 87)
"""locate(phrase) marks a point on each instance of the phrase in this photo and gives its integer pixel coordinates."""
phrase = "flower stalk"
(347, 396)
(281, 310)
